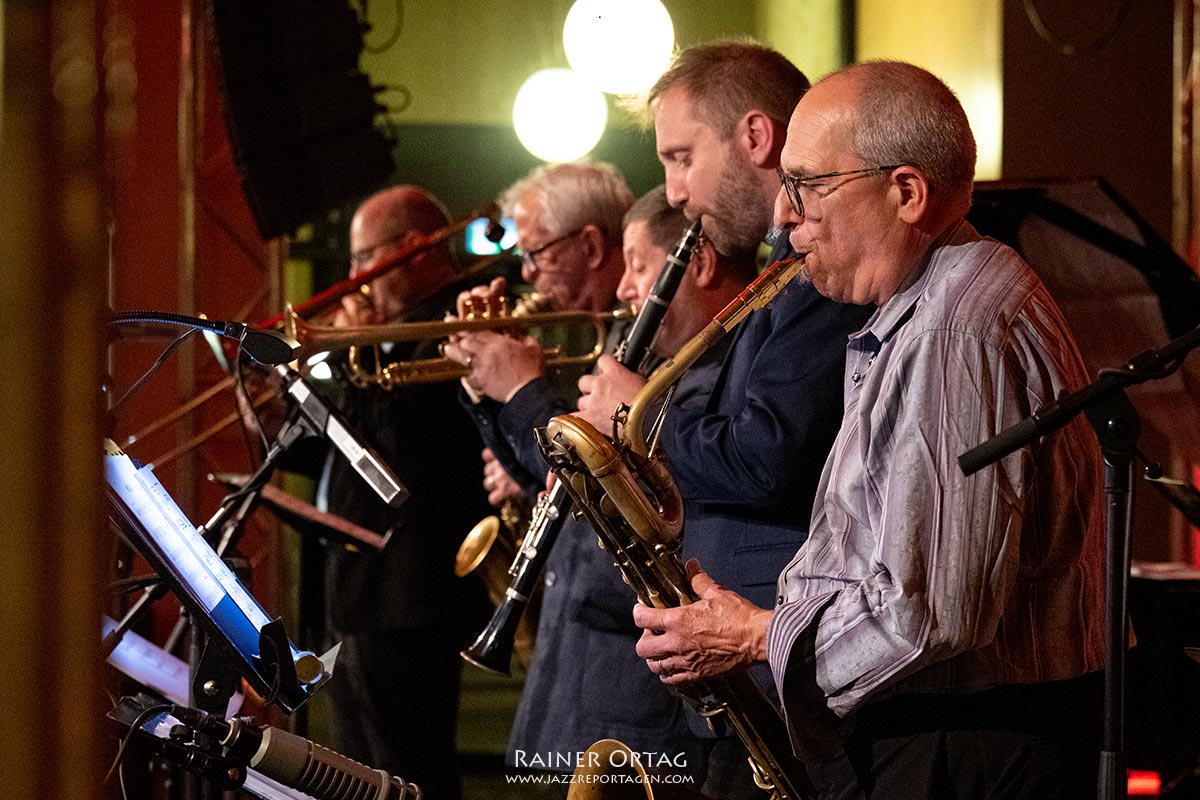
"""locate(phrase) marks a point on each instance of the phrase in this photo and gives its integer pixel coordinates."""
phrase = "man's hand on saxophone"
(600, 394)
(719, 634)
(497, 482)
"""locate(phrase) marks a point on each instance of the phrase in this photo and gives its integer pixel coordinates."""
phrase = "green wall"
(454, 69)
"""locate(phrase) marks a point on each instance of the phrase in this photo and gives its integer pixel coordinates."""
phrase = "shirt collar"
(900, 308)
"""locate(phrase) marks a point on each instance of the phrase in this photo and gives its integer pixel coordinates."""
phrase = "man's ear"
(761, 138)
(592, 240)
(704, 265)
(911, 189)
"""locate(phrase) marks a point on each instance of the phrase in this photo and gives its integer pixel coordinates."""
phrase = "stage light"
(558, 116)
(619, 46)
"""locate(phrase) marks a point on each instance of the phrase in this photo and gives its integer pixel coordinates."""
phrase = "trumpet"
(316, 339)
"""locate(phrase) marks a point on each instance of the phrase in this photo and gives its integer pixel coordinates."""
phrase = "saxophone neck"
(765, 288)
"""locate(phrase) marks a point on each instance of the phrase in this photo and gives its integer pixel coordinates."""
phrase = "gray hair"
(574, 195)
(907, 115)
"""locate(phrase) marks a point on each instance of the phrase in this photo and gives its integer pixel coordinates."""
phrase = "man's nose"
(627, 290)
(784, 215)
(677, 194)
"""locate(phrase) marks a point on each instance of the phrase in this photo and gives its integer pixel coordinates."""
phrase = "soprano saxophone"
(633, 503)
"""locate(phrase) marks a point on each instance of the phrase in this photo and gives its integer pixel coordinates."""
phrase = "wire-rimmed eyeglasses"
(531, 257)
(792, 183)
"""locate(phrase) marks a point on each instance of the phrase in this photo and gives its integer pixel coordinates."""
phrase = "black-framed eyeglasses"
(792, 183)
(362, 256)
(531, 257)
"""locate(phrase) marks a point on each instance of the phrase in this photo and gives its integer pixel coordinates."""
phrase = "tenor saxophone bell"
(487, 551)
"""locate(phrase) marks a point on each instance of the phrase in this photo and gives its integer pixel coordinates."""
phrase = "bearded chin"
(741, 224)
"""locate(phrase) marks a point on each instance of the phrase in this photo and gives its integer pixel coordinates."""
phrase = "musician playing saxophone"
(747, 461)
(945, 630)
(583, 698)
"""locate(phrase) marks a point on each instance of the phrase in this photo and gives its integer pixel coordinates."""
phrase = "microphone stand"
(1117, 426)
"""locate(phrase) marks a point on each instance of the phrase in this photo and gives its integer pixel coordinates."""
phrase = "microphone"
(265, 347)
(261, 345)
(325, 420)
(294, 761)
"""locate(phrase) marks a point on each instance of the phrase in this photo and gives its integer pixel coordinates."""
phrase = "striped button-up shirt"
(916, 577)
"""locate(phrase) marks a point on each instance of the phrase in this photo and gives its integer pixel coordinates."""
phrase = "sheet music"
(151, 666)
(189, 535)
(123, 478)
(205, 575)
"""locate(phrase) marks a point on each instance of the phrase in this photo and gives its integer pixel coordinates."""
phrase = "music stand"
(241, 633)
(1121, 287)
(307, 518)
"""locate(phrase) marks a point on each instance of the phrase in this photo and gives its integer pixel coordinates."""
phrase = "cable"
(239, 386)
(125, 585)
(392, 38)
(153, 368)
(277, 680)
(133, 727)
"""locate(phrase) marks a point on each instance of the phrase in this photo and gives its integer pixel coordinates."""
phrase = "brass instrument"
(322, 338)
(325, 300)
(314, 305)
(487, 551)
(610, 770)
(493, 648)
(609, 482)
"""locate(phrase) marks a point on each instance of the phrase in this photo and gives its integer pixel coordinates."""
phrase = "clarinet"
(493, 648)
(634, 505)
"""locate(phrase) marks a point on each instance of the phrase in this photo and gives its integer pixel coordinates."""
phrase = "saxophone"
(631, 500)
(493, 648)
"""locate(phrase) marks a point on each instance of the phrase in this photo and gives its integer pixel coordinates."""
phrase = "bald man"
(401, 615)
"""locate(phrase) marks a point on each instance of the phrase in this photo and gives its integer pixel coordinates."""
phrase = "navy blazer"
(748, 463)
(586, 681)
(507, 428)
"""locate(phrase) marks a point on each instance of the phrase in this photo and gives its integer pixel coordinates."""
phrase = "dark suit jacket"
(507, 428)
(434, 449)
(586, 681)
(748, 463)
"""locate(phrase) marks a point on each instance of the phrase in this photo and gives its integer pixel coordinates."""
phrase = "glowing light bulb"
(619, 46)
(558, 116)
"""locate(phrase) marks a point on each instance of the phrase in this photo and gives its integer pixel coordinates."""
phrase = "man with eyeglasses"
(748, 461)
(585, 682)
(401, 615)
(938, 635)
(568, 221)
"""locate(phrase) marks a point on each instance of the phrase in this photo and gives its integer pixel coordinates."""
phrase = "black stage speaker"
(300, 115)
(1121, 287)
